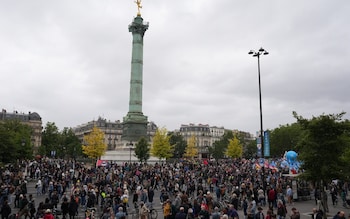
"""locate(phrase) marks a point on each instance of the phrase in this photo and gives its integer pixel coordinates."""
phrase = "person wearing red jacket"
(48, 214)
(271, 197)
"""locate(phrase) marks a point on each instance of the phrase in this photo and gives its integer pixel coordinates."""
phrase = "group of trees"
(59, 144)
(170, 145)
(15, 141)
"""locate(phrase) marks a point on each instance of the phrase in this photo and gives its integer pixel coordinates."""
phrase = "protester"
(295, 214)
(5, 210)
(339, 215)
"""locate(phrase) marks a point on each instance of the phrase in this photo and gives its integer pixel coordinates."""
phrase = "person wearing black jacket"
(72, 208)
(5, 210)
(65, 208)
(23, 203)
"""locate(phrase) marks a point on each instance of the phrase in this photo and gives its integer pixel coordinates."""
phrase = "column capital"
(138, 26)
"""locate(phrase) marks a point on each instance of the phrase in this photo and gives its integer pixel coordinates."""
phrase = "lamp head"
(265, 52)
(261, 49)
(251, 52)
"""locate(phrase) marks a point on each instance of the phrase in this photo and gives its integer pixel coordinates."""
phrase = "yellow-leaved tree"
(191, 150)
(234, 148)
(94, 145)
(161, 147)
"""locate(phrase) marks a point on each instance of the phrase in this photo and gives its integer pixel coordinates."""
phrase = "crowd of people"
(188, 189)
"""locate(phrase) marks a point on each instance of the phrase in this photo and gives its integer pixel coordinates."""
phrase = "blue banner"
(258, 145)
(266, 144)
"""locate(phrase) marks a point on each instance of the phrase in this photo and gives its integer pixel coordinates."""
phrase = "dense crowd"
(187, 190)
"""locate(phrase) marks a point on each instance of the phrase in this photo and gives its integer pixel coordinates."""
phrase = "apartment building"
(32, 119)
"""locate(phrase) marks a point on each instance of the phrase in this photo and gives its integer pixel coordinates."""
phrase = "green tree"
(142, 150)
(191, 149)
(284, 138)
(15, 141)
(94, 145)
(161, 147)
(325, 139)
(49, 139)
(234, 149)
(322, 134)
(250, 149)
(219, 147)
(179, 144)
(71, 143)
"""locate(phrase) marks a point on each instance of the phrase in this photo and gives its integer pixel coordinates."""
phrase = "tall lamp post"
(257, 54)
(130, 147)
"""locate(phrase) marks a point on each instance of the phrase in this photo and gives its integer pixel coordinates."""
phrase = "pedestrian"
(167, 209)
(190, 214)
(120, 214)
(317, 214)
(232, 212)
(271, 197)
(339, 215)
(72, 208)
(281, 210)
(144, 211)
(31, 207)
(5, 210)
(38, 187)
(295, 214)
(181, 214)
(48, 214)
(259, 214)
(203, 214)
(65, 208)
(289, 194)
(215, 214)
(23, 207)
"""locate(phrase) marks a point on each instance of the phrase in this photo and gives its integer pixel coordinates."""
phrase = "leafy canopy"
(178, 143)
(94, 144)
(191, 149)
(15, 141)
(234, 149)
(161, 147)
(142, 150)
(324, 142)
(219, 147)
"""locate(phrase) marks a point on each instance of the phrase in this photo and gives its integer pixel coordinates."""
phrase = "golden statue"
(138, 2)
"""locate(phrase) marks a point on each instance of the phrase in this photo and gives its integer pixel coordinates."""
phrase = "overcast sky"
(70, 60)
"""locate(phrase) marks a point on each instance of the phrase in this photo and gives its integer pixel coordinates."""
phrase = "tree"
(15, 141)
(71, 143)
(234, 149)
(325, 139)
(142, 150)
(50, 139)
(179, 144)
(161, 147)
(284, 138)
(219, 147)
(191, 149)
(94, 144)
(250, 149)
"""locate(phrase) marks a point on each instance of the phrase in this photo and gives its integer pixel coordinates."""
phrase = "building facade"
(204, 134)
(113, 131)
(32, 119)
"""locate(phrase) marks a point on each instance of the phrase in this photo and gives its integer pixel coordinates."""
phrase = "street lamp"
(257, 54)
(130, 147)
